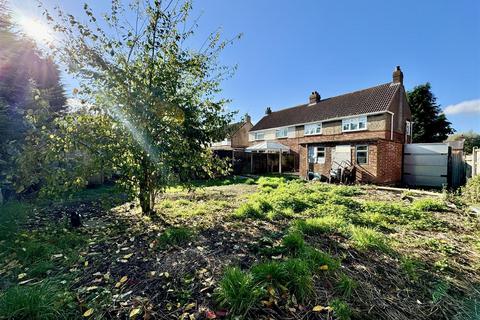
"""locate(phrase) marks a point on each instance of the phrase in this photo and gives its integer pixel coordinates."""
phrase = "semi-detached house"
(365, 128)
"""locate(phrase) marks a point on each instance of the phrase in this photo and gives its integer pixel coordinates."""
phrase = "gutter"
(391, 125)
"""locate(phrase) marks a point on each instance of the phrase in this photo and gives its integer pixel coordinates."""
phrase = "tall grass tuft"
(238, 292)
(42, 301)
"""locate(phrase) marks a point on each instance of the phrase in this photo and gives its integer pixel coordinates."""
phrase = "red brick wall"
(384, 156)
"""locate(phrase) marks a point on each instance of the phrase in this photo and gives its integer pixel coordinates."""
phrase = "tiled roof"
(375, 99)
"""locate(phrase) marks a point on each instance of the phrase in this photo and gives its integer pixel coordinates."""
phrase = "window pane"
(353, 126)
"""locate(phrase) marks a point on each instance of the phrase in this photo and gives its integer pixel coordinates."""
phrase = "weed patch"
(429, 204)
(43, 301)
(366, 238)
(238, 292)
(324, 224)
(346, 285)
(175, 236)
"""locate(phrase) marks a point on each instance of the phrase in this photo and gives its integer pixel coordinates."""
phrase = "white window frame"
(281, 133)
(408, 128)
(353, 124)
(366, 153)
(317, 151)
(312, 129)
(313, 154)
(259, 136)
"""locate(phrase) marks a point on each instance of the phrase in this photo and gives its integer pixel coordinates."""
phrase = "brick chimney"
(314, 98)
(398, 75)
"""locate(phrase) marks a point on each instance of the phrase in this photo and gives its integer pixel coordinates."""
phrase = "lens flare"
(35, 29)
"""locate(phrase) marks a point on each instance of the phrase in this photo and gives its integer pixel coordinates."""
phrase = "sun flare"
(35, 29)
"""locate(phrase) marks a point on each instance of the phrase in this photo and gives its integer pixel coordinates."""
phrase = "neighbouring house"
(365, 130)
(234, 144)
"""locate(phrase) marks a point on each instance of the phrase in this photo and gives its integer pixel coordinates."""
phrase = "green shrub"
(429, 204)
(325, 224)
(300, 281)
(294, 242)
(347, 202)
(366, 238)
(270, 273)
(175, 236)
(249, 181)
(471, 191)
(238, 292)
(42, 301)
(256, 207)
(346, 285)
(341, 309)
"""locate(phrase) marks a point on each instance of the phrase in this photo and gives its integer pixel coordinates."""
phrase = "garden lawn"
(263, 249)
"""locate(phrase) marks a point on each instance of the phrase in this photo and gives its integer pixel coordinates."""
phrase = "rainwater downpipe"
(391, 125)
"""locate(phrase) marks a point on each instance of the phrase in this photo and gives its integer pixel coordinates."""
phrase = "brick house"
(365, 128)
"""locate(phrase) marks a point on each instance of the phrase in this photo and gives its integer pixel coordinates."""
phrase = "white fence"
(473, 163)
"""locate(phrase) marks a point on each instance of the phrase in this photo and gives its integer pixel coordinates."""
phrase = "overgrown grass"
(324, 224)
(346, 285)
(42, 301)
(238, 292)
(175, 236)
(293, 242)
(429, 204)
(364, 238)
(341, 309)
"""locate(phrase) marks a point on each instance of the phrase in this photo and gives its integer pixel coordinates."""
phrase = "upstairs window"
(354, 124)
(281, 133)
(259, 135)
(362, 154)
(311, 129)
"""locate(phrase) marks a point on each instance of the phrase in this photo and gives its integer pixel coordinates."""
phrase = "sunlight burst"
(35, 29)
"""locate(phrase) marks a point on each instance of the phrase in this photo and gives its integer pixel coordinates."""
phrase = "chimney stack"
(398, 75)
(268, 111)
(314, 98)
(248, 119)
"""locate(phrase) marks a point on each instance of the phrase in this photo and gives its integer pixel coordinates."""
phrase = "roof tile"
(374, 99)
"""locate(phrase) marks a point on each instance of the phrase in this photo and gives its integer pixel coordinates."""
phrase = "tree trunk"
(147, 190)
(147, 199)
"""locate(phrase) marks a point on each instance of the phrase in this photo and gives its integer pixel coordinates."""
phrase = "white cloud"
(470, 106)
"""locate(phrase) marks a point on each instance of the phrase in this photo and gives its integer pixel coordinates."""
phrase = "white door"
(341, 154)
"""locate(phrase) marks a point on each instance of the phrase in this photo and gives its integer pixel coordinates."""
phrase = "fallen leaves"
(322, 308)
(121, 282)
(324, 267)
(134, 312)
(88, 313)
(21, 276)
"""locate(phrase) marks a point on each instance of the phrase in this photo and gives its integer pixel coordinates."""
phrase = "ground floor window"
(316, 154)
(362, 154)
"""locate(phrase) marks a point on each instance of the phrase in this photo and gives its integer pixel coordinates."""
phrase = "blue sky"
(290, 48)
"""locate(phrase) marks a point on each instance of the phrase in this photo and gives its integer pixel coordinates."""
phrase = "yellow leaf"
(21, 276)
(88, 313)
(127, 256)
(318, 308)
(134, 312)
(86, 263)
(271, 291)
(123, 279)
(190, 306)
(324, 267)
